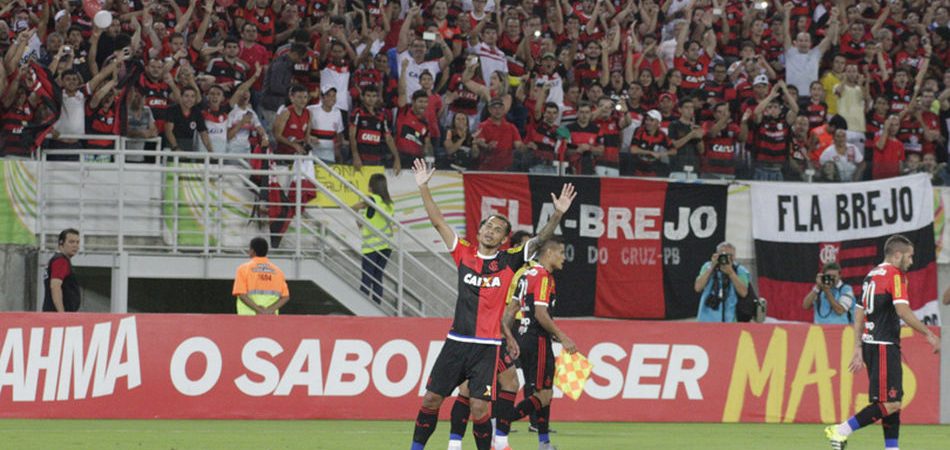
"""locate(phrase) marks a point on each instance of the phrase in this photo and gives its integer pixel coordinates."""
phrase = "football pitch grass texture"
(386, 435)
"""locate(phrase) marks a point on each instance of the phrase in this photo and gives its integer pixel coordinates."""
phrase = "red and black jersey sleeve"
(59, 269)
(884, 287)
(542, 287)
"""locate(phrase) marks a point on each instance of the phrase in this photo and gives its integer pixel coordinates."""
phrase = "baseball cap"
(760, 79)
(548, 55)
(668, 96)
(327, 90)
(496, 102)
(655, 115)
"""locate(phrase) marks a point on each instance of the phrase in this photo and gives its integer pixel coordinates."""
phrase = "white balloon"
(103, 19)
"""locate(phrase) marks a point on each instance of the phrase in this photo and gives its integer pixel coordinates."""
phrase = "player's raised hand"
(422, 172)
(563, 203)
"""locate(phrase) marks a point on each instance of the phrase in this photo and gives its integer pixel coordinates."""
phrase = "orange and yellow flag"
(571, 372)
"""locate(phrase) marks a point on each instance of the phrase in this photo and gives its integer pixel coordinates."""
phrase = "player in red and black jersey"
(534, 295)
(370, 136)
(877, 331)
(472, 346)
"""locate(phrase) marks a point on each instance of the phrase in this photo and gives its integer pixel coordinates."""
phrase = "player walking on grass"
(877, 331)
(532, 346)
(472, 346)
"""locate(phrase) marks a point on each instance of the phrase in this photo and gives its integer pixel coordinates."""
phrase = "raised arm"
(561, 205)
(198, 42)
(403, 99)
(832, 35)
(786, 32)
(405, 33)
(423, 174)
(185, 19)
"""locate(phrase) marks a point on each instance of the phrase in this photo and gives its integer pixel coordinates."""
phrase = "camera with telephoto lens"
(827, 280)
(723, 259)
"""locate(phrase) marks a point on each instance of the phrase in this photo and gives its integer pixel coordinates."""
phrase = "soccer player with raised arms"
(472, 346)
(877, 331)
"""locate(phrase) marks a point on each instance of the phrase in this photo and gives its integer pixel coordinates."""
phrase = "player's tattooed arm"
(561, 205)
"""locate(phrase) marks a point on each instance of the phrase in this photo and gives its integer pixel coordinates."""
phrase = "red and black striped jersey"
(898, 99)
(157, 95)
(816, 114)
(694, 73)
(535, 288)
(227, 73)
(103, 119)
(721, 148)
(609, 135)
(264, 20)
(411, 132)
(544, 136)
(466, 101)
(771, 140)
(15, 122)
(483, 284)
(883, 287)
(371, 131)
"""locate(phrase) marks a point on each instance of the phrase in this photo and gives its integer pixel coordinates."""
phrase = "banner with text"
(634, 247)
(312, 367)
(798, 228)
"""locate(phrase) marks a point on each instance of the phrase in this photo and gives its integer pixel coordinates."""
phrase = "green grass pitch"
(372, 435)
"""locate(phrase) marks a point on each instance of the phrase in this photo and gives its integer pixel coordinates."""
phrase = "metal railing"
(207, 204)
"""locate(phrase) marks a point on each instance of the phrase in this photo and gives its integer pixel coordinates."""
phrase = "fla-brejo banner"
(633, 247)
(798, 228)
(321, 367)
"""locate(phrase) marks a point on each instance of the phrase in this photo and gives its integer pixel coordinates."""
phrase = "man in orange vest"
(259, 285)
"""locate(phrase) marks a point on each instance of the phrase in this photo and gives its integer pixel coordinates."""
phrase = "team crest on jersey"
(493, 266)
(482, 282)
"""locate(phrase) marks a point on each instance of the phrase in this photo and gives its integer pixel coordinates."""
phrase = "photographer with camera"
(721, 281)
(832, 299)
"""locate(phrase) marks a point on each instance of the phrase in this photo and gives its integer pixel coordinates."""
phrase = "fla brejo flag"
(798, 228)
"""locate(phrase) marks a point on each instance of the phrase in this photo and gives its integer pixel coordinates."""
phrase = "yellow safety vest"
(372, 241)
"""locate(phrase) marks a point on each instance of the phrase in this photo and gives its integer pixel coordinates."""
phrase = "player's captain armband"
(571, 372)
(897, 286)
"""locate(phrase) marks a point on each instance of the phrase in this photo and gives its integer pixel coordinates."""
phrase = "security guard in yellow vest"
(376, 250)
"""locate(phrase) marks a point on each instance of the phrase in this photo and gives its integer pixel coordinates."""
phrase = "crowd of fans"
(829, 90)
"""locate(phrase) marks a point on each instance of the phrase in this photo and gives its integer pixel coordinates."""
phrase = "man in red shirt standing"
(412, 132)
(497, 139)
(252, 52)
(888, 151)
